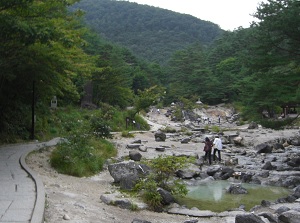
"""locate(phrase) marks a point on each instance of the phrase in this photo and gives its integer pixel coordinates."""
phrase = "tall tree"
(275, 56)
(40, 43)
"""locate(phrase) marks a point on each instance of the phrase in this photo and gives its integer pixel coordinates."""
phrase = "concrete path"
(22, 194)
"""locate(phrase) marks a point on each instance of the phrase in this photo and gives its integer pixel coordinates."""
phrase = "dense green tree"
(41, 47)
(149, 32)
(274, 57)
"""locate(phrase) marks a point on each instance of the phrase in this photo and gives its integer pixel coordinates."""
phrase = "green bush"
(150, 195)
(100, 127)
(127, 134)
(80, 155)
(163, 176)
(276, 124)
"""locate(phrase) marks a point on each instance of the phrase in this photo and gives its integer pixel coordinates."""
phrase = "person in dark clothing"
(207, 149)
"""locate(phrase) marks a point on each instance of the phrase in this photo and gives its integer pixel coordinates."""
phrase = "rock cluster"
(275, 162)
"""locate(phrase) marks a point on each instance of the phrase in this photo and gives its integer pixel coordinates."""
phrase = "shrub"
(276, 124)
(215, 128)
(163, 176)
(127, 134)
(100, 127)
(168, 129)
(80, 155)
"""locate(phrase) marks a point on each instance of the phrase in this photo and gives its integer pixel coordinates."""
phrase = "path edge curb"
(39, 206)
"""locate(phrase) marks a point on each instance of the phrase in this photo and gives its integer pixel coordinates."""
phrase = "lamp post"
(32, 110)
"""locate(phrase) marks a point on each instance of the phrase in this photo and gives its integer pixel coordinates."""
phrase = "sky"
(228, 14)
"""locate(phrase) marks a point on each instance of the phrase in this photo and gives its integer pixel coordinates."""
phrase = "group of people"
(209, 145)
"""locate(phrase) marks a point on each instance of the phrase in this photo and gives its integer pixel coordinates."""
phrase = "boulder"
(263, 148)
(126, 169)
(238, 141)
(160, 149)
(290, 216)
(133, 146)
(236, 189)
(269, 216)
(268, 166)
(281, 209)
(291, 181)
(160, 136)
(137, 141)
(294, 162)
(167, 197)
(190, 172)
(128, 183)
(253, 125)
(248, 218)
(135, 155)
(185, 140)
(212, 170)
(295, 141)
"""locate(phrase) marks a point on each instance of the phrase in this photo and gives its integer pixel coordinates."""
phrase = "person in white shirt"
(217, 143)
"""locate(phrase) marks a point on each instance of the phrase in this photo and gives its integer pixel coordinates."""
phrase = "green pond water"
(213, 196)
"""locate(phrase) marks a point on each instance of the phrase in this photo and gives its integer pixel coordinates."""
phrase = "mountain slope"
(149, 32)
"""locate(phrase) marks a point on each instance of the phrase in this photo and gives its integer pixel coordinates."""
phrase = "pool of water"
(213, 196)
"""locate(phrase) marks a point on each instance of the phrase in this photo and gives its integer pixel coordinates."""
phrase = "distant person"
(217, 144)
(219, 119)
(207, 149)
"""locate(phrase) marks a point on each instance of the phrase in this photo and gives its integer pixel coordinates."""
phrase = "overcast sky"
(228, 14)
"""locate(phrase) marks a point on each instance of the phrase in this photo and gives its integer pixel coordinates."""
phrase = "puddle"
(213, 196)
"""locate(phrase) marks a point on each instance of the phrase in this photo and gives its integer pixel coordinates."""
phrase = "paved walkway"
(22, 194)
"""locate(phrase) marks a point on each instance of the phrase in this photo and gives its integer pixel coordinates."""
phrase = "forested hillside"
(149, 32)
(47, 51)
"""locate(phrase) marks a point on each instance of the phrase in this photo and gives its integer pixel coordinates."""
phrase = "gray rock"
(135, 155)
(291, 181)
(191, 221)
(238, 141)
(185, 140)
(268, 166)
(248, 218)
(265, 203)
(212, 170)
(139, 221)
(236, 189)
(137, 141)
(133, 146)
(268, 216)
(253, 125)
(290, 216)
(281, 209)
(160, 136)
(192, 212)
(160, 149)
(124, 169)
(167, 197)
(263, 148)
(192, 171)
(128, 183)
(295, 141)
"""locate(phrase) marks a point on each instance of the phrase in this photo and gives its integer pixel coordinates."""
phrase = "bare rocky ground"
(72, 199)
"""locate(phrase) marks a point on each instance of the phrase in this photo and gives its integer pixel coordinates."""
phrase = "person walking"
(207, 149)
(217, 144)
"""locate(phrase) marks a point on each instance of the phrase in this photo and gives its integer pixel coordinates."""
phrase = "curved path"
(22, 194)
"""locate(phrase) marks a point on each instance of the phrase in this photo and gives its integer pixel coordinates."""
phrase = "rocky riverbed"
(262, 156)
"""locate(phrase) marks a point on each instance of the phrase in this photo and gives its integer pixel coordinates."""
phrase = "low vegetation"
(85, 146)
(162, 176)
